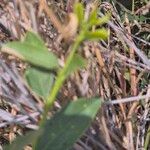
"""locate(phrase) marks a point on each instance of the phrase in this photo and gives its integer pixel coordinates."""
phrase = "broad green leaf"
(21, 141)
(32, 54)
(96, 35)
(79, 11)
(77, 62)
(34, 40)
(64, 129)
(32, 50)
(40, 81)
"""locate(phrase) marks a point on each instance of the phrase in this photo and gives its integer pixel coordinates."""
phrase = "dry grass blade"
(118, 70)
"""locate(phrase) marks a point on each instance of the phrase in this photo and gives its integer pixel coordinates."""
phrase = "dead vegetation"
(118, 71)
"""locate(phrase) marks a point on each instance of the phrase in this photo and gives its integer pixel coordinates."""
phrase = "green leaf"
(32, 50)
(127, 75)
(79, 11)
(101, 21)
(138, 18)
(39, 80)
(96, 35)
(64, 129)
(77, 62)
(34, 40)
(147, 139)
(21, 141)
(93, 20)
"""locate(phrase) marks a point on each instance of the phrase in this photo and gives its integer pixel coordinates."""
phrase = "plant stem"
(61, 77)
(147, 139)
(133, 5)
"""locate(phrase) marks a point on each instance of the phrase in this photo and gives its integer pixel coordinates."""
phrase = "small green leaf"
(93, 20)
(97, 35)
(64, 129)
(79, 11)
(77, 62)
(32, 50)
(127, 75)
(40, 81)
(104, 19)
(21, 141)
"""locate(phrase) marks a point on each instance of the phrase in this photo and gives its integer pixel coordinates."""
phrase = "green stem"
(62, 74)
(133, 5)
(61, 77)
(147, 139)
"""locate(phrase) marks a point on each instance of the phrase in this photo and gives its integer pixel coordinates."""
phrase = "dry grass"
(118, 70)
